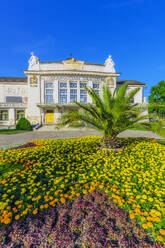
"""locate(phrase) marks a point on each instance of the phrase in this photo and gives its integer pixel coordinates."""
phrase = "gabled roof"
(130, 82)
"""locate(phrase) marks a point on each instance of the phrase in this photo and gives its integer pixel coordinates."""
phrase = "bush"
(23, 124)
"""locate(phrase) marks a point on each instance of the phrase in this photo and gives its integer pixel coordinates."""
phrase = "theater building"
(49, 88)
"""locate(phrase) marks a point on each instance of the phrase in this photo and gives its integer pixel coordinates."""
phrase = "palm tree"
(110, 114)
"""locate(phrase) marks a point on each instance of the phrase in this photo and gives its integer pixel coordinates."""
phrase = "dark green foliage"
(23, 124)
(157, 99)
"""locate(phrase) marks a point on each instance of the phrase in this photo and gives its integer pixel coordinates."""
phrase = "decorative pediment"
(73, 64)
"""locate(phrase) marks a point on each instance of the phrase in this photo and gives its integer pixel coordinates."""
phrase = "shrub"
(23, 124)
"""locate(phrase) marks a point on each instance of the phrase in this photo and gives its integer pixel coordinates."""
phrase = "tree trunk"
(111, 142)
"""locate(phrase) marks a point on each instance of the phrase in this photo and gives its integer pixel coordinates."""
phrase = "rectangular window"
(20, 114)
(49, 85)
(4, 116)
(63, 85)
(73, 95)
(63, 95)
(49, 93)
(83, 96)
(96, 88)
(16, 99)
(62, 92)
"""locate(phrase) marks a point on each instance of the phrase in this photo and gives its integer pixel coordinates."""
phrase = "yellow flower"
(149, 224)
(17, 217)
(162, 231)
(132, 216)
(144, 226)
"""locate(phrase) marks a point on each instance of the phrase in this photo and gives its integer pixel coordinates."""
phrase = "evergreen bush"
(23, 124)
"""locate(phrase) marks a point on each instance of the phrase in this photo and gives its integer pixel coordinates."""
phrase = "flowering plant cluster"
(88, 222)
(61, 170)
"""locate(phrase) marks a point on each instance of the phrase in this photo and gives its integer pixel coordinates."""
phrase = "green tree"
(157, 99)
(23, 124)
(110, 114)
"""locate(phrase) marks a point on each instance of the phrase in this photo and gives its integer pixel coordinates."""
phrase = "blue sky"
(132, 31)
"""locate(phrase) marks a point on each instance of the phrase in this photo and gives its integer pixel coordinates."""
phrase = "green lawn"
(11, 131)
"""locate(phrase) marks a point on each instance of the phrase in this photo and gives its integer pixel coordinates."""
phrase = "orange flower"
(62, 200)
(41, 207)
(85, 192)
(46, 205)
(19, 206)
(52, 203)
(15, 210)
(56, 200)
(29, 206)
(7, 221)
(35, 211)
(160, 238)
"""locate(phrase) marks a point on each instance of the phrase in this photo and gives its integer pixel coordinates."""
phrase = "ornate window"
(49, 93)
(82, 85)
(73, 85)
(33, 81)
(4, 115)
(20, 114)
(62, 92)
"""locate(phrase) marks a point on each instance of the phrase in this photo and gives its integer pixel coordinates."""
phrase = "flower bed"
(91, 221)
(62, 170)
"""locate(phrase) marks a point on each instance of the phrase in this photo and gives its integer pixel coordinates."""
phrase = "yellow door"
(49, 117)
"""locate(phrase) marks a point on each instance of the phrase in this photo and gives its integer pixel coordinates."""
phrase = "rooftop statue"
(109, 65)
(33, 62)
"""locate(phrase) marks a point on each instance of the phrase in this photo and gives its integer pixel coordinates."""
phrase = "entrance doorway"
(49, 116)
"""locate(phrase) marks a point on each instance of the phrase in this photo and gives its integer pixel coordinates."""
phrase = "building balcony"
(13, 105)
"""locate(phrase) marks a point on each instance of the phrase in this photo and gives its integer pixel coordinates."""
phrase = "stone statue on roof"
(109, 65)
(33, 62)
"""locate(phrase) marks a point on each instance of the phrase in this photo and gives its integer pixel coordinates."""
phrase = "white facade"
(50, 88)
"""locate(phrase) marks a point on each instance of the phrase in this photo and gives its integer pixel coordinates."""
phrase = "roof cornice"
(70, 72)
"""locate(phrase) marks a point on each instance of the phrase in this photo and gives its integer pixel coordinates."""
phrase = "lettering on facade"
(15, 91)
